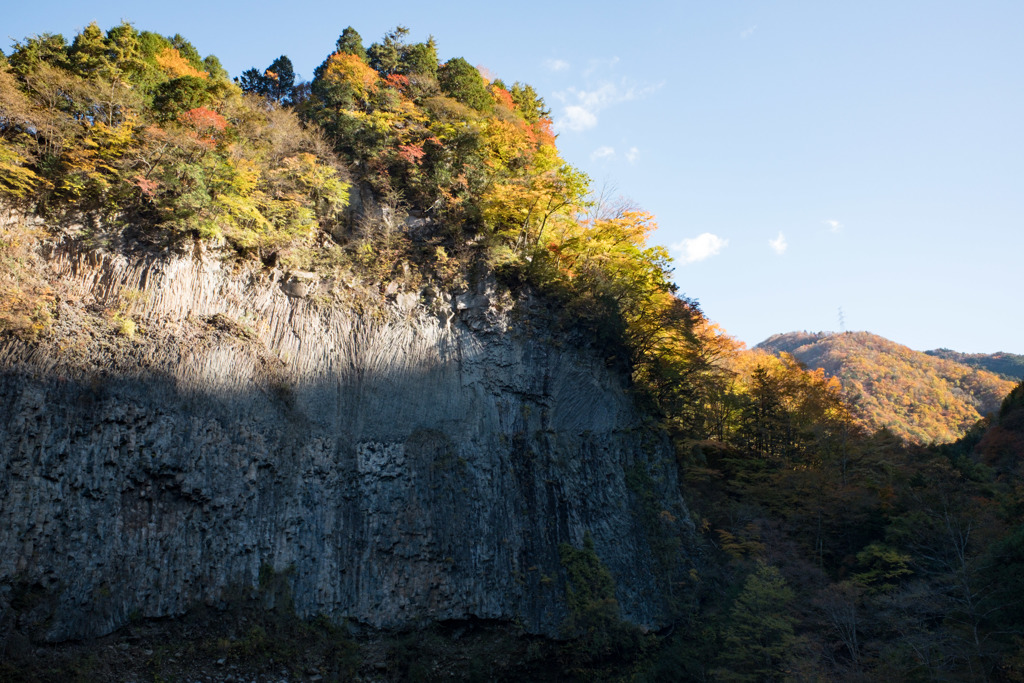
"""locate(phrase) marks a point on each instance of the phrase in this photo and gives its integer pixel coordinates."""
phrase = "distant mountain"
(1008, 365)
(920, 397)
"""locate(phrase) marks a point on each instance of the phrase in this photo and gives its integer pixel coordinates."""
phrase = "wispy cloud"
(747, 32)
(583, 106)
(602, 152)
(599, 64)
(485, 73)
(834, 226)
(556, 64)
(703, 246)
(779, 244)
(632, 155)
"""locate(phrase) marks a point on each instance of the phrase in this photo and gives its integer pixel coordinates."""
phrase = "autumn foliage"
(822, 546)
(919, 397)
(125, 128)
(175, 66)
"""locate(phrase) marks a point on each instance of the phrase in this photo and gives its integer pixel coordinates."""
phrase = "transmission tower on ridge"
(842, 320)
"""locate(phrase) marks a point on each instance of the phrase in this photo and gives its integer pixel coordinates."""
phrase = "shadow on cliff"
(429, 492)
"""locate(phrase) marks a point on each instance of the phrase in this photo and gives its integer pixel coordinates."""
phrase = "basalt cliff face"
(186, 427)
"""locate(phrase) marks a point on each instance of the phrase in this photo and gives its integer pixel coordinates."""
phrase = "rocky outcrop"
(185, 427)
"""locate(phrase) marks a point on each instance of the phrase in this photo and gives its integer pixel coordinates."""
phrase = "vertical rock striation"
(419, 461)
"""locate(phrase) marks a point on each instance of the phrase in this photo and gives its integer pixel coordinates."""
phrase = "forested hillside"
(917, 396)
(822, 546)
(128, 135)
(1008, 365)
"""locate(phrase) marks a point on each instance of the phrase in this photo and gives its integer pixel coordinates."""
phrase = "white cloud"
(779, 244)
(582, 106)
(578, 118)
(698, 248)
(632, 155)
(556, 64)
(603, 152)
(747, 32)
(834, 226)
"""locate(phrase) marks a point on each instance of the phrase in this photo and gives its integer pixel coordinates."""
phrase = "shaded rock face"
(417, 462)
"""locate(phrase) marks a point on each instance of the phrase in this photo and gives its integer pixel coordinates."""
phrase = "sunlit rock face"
(419, 460)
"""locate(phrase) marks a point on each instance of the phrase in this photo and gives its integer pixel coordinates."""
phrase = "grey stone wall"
(420, 461)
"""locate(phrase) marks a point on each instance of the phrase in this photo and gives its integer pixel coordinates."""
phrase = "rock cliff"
(187, 426)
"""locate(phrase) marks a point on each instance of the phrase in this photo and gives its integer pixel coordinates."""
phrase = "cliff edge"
(187, 427)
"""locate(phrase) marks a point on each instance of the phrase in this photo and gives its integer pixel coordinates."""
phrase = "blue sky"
(801, 157)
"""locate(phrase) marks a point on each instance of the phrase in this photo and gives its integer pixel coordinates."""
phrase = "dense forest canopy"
(1008, 365)
(831, 550)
